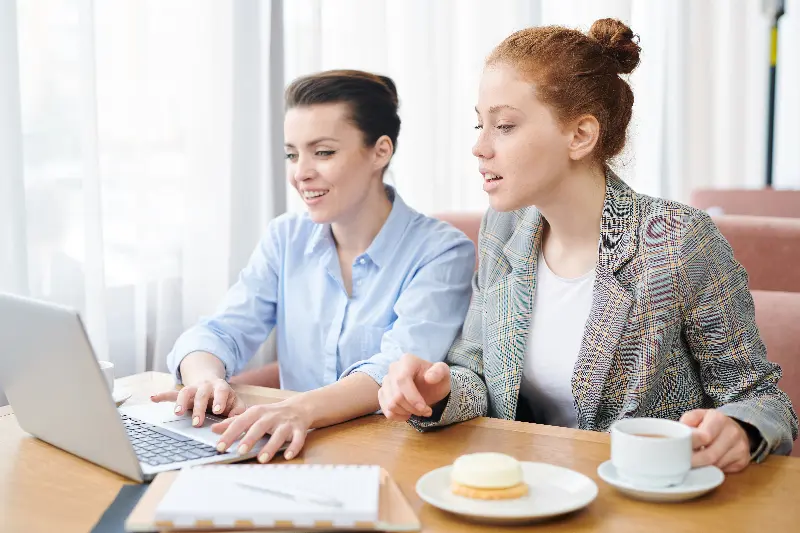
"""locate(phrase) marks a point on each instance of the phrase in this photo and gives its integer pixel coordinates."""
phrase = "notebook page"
(212, 493)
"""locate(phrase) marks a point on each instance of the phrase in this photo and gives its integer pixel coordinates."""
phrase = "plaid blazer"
(671, 327)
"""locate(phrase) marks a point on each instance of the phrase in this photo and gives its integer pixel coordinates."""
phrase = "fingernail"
(196, 421)
(153, 398)
(289, 455)
(263, 458)
(221, 447)
(217, 408)
(242, 449)
(177, 409)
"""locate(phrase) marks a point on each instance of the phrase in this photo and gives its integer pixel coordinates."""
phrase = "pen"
(293, 495)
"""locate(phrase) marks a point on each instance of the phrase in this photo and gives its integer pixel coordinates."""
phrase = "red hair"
(578, 74)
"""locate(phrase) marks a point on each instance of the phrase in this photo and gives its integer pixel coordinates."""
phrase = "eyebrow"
(495, 108)
(312, 143)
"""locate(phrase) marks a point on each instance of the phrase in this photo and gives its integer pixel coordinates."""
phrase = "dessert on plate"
(488, 476)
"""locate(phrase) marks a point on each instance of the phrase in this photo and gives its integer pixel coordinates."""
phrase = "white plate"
(698, 482)
(120, 395)
(553, 491)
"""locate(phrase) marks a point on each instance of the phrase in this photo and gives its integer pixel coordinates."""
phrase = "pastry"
(488, 476)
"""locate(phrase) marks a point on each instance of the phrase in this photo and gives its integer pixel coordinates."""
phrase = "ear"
(585, 134)
(384, 149)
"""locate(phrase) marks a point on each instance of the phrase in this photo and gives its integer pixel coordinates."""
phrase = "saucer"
(553, 491)
(120, 396)
(698, 482)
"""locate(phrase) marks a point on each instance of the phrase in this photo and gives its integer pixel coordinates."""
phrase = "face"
(522, 150)
(328, 163)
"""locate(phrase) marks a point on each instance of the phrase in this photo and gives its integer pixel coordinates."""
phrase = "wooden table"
(44, 489)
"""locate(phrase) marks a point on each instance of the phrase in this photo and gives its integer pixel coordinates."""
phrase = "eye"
(505, 128)
(291, 157)
(479, 127)
(325, 153)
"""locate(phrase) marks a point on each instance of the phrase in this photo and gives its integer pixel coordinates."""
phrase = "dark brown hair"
(372, 100)
(579, 74)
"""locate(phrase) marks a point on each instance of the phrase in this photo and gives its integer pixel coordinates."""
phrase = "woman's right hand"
(214, 392)
(412, 386)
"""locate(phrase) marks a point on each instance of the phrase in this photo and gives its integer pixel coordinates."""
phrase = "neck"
(575, 209)
(354, 233)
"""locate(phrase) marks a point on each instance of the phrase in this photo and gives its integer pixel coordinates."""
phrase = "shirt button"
(362, 261)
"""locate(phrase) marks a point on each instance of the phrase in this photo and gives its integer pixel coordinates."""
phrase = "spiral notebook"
(299, 495)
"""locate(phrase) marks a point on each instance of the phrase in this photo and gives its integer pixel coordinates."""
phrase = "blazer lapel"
(611, 303)
(513, 301)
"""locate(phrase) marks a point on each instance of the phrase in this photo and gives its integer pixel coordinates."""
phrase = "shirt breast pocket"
(371, 337)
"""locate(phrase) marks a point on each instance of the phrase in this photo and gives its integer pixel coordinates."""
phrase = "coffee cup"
(651, 452)
(107, 367)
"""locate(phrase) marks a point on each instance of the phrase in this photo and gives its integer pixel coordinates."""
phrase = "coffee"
(650, 435)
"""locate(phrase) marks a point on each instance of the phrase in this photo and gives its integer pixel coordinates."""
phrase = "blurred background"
(141, 141)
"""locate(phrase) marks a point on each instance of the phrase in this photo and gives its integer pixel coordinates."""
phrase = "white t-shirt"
(560, 310)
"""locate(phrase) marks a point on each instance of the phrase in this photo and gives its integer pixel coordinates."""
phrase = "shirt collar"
(380, 251)
(385, 242)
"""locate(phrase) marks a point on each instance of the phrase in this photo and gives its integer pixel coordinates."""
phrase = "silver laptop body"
(53, 382)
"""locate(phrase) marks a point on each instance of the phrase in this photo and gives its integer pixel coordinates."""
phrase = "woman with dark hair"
(350, 286)
(593, 303)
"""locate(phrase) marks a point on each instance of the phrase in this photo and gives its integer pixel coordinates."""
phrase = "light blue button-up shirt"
(410, 293)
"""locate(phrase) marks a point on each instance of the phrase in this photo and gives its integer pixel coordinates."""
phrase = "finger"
(220, 399)
(259, 428)
(239, 425)
(397, 416)
(396, 401)
(410, 399)
(736, 459)
(393, 412)
(274, 443)
(709, 429)
(220, 427)
(201, 398)
(169, 396)
(298, 440)
(436, 373)
(386, 404)
(694, 417)
(237, 405)
(715, 451)
(185, 398)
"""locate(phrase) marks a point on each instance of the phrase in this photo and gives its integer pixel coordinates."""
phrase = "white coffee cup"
(107, 368)
(651, 452)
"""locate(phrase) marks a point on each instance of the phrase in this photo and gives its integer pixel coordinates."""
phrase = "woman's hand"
(214, 392)
(287, 420)
(412, 387)
(717, 440)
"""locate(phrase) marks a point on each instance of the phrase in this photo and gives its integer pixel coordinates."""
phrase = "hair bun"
(619, 43)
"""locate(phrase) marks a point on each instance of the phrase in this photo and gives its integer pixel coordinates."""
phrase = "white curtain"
(140, 159)
(701, 91)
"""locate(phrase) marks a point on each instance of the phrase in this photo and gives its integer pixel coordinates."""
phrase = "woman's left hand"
(717, 440)
(283, 421)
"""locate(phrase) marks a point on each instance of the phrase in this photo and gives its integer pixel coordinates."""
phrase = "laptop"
(53, 382)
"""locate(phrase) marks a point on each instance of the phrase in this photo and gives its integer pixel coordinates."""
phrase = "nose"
(482, 149)
(303, 170)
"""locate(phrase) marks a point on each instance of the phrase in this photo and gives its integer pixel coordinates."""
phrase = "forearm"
(351, 397)
(265, 376)
(201, 366)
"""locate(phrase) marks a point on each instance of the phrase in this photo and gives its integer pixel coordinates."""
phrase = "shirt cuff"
(375, 371)
(201, 342)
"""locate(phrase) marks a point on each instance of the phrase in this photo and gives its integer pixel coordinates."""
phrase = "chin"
(504, 203)
(319, 216)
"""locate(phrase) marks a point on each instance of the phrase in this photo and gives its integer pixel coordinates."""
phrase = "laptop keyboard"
(158, 446)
